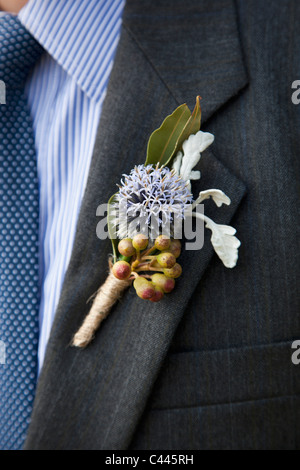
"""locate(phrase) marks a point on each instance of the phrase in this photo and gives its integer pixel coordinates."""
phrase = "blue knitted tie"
(19, 218)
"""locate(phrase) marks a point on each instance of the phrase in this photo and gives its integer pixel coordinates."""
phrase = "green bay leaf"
(192, 126)
(163, 142)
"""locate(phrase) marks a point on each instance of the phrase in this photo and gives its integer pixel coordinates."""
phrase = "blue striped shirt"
(65, 92)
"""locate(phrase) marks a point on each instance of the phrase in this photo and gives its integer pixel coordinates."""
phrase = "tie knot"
(19, 51)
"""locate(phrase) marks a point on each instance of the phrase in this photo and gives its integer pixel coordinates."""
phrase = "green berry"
(166, 260)
(140, 242)
(121, 270)
(139, 282)
(126, 248)
(165, 283)
(162, 242)
(173, 272)
(144, 289)
(158, 295)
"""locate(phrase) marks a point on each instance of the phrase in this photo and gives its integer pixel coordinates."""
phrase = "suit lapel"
(93, 399)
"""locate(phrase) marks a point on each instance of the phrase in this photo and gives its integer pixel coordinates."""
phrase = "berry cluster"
(152, 268)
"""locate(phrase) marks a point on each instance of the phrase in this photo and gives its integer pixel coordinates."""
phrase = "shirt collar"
(81, 35)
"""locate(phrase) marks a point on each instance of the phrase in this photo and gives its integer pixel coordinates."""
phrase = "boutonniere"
(147, 213)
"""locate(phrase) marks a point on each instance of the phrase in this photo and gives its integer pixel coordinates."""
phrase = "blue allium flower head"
(151, 195)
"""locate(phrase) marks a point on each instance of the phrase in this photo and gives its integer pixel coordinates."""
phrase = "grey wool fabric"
(210, 366)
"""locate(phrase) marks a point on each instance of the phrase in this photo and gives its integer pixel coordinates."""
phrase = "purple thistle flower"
(150, 195)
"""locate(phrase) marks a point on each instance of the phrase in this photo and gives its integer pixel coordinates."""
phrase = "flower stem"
(149, 251)
(148, 267)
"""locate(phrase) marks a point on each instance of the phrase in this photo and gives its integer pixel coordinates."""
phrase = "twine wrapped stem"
(106, 297)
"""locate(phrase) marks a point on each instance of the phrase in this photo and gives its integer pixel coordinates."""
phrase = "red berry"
(169, 285)
(158, 295)
(144, 289)
(165, 283)
(121, 270)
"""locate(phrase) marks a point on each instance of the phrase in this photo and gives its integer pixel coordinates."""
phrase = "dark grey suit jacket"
(210, 366)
